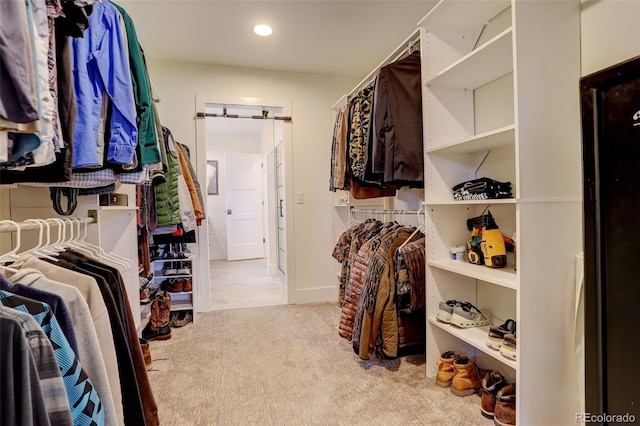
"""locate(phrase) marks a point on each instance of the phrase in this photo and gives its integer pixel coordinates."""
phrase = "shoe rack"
(500, 100)
(173, 271)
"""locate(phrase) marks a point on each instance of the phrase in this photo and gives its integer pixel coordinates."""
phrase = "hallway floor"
(244, 284)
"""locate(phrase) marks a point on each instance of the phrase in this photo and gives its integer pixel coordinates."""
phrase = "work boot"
(158, 327)
(146, 353)
(505, 413)
(445, 369)
(466, 381)
(492, 382)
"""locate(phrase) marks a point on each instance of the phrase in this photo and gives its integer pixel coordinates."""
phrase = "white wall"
(311, 98)
(610, 32)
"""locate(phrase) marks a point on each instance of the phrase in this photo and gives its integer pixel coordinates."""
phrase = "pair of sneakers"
(462, 314)
(503, 338)
(182, 268)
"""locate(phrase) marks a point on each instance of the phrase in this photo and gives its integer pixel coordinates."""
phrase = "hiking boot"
(497, 333)
(466, 315)
(505, 411)
(445, 369)
(186, 284)
(158, 327)
(146, 353)
(466, 381)
(508, 348)
(445, 310)
(492, 382)
(172, 285)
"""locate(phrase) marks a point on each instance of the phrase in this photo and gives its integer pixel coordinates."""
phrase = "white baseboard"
(218, 255)
(272, 269)
(316, 295)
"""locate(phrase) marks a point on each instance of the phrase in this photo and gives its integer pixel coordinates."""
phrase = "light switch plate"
(300, 197)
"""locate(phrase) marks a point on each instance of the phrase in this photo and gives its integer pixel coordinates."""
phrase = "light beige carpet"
(286, 365)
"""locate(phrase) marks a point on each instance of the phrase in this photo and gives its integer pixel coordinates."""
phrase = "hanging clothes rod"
(264, 116)
(355, 210)
(26, 226)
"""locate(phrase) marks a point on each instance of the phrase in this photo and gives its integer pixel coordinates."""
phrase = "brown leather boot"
(158, 327)
(146, 353)
(492, 382)
(445, 369)
(466, 381)
(505, 414)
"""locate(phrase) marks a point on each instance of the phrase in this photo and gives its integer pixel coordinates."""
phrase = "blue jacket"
(101, 65)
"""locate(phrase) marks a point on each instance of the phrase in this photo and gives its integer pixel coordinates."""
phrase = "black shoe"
(164, 333)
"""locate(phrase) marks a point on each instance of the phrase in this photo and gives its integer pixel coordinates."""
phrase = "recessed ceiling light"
(262, 30)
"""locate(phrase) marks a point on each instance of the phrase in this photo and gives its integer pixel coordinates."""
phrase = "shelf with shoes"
(499, 102)
(477, 338)
(172, 268)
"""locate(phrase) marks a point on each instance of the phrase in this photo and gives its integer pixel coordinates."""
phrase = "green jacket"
(166, 194)
(147, 136)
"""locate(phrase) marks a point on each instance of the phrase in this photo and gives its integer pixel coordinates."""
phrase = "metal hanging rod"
(386, 211)
(26, 226)
(264, 116)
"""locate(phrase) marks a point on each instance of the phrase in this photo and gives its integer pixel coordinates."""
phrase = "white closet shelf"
(107, 208)
(505, 277)
(452, 202)
(476, 337)
(493, 139)
(446, 14)
(483, 65)
(172, 276)
(181, 307)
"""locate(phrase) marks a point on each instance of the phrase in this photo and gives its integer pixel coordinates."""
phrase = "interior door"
(280, 214)
(243, 201)
(611, 150)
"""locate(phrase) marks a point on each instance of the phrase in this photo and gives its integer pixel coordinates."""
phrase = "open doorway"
(243, 206)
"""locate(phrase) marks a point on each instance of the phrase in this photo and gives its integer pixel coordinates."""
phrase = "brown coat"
(384, 317)
(191, 185)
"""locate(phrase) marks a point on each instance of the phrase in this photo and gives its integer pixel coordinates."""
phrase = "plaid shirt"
(56, 400)
(86, 407)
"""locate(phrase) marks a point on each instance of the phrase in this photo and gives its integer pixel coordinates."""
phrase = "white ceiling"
(327, 36)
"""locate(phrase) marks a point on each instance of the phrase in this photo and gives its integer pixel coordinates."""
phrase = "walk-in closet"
(317, 212)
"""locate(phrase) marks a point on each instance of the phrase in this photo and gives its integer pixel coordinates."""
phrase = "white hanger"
(57, 247)
(11, 255)
(98, 252)
(38, 251)
(415, 232)
(73, 241)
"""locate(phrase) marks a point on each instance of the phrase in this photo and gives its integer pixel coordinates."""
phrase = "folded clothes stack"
(481, 189)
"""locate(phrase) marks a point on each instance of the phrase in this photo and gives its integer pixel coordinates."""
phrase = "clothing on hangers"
(30, 363)
(371, 318)
(85, 404)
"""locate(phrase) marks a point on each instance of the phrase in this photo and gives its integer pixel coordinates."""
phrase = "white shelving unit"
(183, 300)
(500, 100)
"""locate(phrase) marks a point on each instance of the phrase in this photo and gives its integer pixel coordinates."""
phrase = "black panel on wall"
(611, 155)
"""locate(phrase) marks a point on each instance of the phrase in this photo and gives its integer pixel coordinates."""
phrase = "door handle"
(229, 212)
(281, 209)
